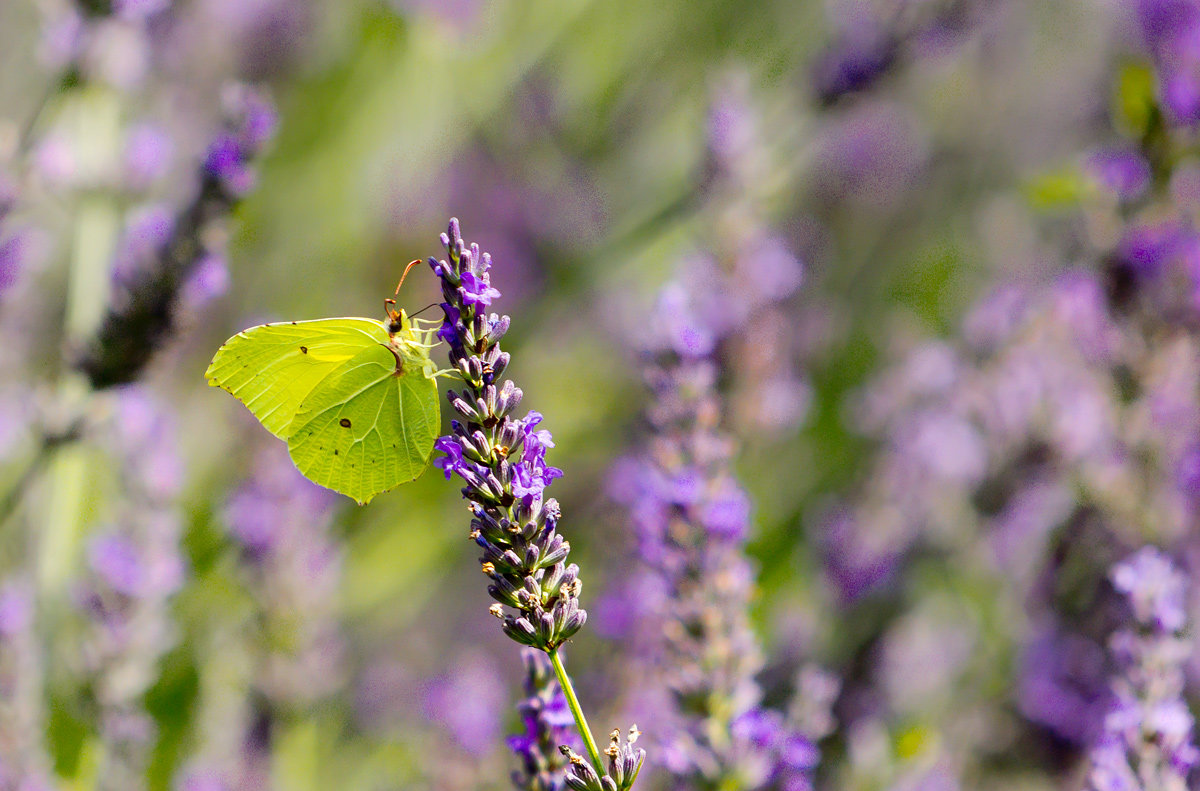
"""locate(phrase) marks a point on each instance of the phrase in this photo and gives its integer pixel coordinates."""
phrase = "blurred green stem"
(96, 122)
(564, 681)
(27, 129)
(95, 116)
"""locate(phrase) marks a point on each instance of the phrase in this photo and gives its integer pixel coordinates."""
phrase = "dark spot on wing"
(344, 422)
(304, 350)
(335, 451)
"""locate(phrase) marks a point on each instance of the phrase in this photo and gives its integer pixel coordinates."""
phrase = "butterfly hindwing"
(271, 368)
(365, 428)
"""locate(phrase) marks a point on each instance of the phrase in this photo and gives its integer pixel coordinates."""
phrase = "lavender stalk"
(502, 461)
(136, 567)
(693, 520)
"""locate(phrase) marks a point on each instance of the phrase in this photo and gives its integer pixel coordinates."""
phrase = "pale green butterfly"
(355, 399)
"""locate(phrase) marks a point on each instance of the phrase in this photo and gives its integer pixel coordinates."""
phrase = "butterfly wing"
(365, 428)
(272, 367)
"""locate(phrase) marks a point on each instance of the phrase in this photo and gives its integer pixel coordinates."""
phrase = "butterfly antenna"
(422, 310)
(411, 264)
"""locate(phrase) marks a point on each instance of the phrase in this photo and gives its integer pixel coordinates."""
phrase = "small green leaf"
(1134, 102)
(1063, 188)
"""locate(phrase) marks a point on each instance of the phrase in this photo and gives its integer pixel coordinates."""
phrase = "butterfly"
(355, 399)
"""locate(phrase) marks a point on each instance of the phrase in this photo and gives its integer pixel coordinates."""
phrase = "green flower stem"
(94, 113)
(564, 681)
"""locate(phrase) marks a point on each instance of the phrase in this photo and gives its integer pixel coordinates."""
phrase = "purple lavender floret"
(252, 122)
(139, 9)
(12, 255)
(1170, 30)
(224, 159)
(147, 157)
(1148, 739)
(859, 57)
(1156, 590)
(1146, 249)
(13, 243)
(1062, 684)
(1124, 173)
(774, 754)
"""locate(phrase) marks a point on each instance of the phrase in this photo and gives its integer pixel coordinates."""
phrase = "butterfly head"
(396, 320)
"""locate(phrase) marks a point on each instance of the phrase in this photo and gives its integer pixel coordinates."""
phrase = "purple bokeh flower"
(252, 121)
(147, 232)
(1062, 685)
(208, 281)
(139, 9)
(467, 701)
(16, 608)
(1124, 173)
(115, 559)
(148, 151)
(862, 53)
(1148, 736)
(24, 762)
(293, 568)
(12, 256)
(1146, 249)
(1155, 589)
(1171, 34)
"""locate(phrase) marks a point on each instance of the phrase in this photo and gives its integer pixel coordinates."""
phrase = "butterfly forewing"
(271, 368)
(364, 428)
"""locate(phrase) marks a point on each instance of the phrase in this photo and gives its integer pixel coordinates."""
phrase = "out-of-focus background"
(960, 364)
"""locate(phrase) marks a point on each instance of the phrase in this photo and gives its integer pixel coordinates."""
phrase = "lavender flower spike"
(546, 718)
(1148, 733)
(145, 302)
(693, 520)
(502, 461)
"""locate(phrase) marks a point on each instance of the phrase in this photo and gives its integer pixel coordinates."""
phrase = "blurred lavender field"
(868, 332)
